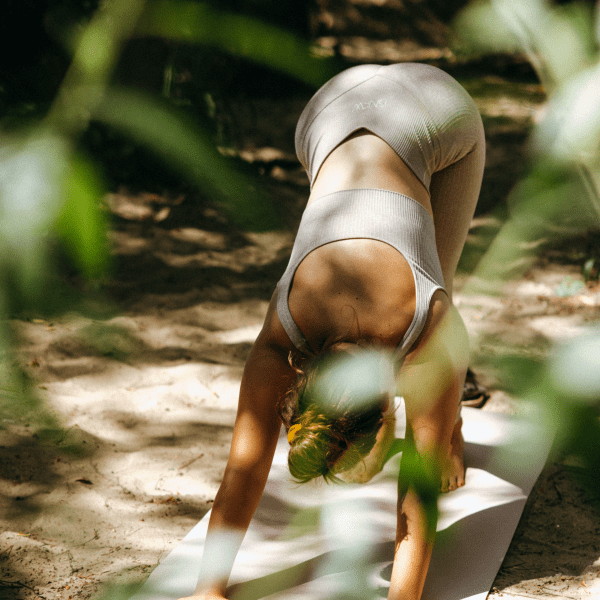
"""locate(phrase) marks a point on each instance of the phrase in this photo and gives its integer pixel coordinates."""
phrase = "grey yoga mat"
(314, 541)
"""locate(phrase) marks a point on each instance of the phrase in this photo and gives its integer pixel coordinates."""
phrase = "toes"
(452, 482)
(448, 484)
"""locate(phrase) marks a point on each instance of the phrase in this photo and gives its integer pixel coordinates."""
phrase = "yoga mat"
(311, 541)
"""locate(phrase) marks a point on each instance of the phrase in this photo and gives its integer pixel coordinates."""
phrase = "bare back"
(357, 289)
(364, 160)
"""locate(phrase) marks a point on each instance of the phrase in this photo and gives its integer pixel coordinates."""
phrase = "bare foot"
(453, 475)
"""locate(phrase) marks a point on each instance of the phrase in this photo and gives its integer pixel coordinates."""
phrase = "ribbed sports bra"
(382, 215)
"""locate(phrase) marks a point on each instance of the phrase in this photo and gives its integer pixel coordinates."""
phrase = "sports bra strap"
(382, 215)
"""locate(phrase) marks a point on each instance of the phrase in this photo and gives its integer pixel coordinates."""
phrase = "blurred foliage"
(184, 146)
(199, 22)
(558, 198)
(51, 191)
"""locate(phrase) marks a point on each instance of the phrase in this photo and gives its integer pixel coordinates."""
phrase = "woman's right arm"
(267, 377)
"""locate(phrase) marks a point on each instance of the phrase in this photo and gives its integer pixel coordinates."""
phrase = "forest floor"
(147, 397)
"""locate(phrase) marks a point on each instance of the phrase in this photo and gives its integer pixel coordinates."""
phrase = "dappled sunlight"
(144, 394)
(367, 50)
(583, 585)
(116, 349)
(242, 334)
(118, 488)
(503, 103)
(481, 492)
(208, 265)
(530, 313)
(558, 328)
(303, 537)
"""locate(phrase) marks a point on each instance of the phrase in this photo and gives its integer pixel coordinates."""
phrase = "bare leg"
(454, 194)
(453, 468)
(453, 472)
(427, 433)
(432, 381)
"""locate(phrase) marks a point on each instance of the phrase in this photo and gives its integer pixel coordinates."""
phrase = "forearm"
(239, 494)
(234, 506)
(267, 377)
(220, 549)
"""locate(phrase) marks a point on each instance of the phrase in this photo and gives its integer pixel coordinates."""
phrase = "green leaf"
(183, 145)
(364, 377)
(519, 373)
(558, 41)
(480, 28)
(239, 35)
(575, 369)
(420, 473)
(30, 176)
(81, 225)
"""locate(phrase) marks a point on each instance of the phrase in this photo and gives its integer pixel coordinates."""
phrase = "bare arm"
(431, 381)
(267, 376)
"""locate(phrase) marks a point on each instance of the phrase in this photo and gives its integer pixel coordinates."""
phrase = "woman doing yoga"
(395, 156)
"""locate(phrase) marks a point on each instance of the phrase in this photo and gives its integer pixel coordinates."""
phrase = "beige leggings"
(454, 193)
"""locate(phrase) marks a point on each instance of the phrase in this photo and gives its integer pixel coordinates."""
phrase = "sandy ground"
(146, 398)
(146, 438)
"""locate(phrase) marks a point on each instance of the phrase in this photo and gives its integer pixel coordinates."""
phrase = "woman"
(395, 156)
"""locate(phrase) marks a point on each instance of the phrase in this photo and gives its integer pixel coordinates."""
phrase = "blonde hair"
(327, 431)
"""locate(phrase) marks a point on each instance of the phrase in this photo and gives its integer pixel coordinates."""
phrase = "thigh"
(455, 152)
(454, 194)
